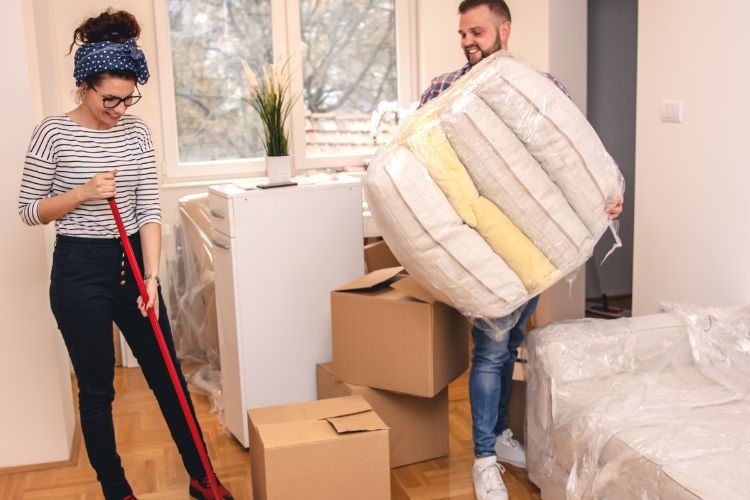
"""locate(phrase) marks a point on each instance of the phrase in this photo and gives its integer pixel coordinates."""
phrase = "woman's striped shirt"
(63, 155)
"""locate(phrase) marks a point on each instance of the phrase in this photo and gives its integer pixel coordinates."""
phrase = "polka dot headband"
(98, 57)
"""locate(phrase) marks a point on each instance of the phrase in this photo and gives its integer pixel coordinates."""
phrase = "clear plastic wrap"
(652, 407)
(192, 300)
(495, 190)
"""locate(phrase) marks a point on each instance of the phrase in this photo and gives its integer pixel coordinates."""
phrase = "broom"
(165, 351)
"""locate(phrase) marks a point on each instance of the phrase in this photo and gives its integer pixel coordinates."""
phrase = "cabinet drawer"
(220, 209)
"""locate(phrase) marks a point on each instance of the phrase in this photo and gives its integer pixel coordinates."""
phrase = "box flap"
(372, 279)
(334, 407)
(411, 287)
(379, 256)
(326, 384)
(285, 434)
(360, 422)
(309, 411)
(274, 414)
(328, 368)
(316, 421)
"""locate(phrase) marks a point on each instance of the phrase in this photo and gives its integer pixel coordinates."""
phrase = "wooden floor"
(155, 471)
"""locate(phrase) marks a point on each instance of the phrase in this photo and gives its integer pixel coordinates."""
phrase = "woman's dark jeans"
(92, 286)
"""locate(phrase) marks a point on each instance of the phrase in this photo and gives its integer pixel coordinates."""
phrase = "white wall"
(568, 46)
(691, 224)
(438, 49)
(530, 31)
(37, 420)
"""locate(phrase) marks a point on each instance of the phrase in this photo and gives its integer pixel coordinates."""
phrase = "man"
(484, 28)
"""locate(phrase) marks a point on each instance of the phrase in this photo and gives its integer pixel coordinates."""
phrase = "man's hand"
(614, 207)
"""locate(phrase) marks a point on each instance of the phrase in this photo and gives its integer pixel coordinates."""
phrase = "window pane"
(208, 40)
(349, 68)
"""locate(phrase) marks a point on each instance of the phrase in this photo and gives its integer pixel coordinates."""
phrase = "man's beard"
(485, 53)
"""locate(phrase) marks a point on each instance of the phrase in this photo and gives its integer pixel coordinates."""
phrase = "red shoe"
(129, 497)
(202, 490)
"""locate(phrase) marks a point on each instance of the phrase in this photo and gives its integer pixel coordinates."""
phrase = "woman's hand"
(152, 289)
(614, 207)
(99, 187)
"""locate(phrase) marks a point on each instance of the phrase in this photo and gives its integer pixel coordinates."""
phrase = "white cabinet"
(278, 253)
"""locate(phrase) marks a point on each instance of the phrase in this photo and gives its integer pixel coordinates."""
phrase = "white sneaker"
(509, 450)
(488, 479)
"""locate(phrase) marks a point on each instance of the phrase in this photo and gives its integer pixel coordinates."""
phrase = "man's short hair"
(498, 6)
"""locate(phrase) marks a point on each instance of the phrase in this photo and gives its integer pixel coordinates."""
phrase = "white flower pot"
(279, 168)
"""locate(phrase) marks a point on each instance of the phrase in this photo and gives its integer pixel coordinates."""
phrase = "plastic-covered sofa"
(653, 407)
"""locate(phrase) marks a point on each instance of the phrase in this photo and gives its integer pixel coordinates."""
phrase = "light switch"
(671, 111)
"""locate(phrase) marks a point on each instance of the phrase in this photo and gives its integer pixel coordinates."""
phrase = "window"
(208, 39)
(346, 63)
(349, 68)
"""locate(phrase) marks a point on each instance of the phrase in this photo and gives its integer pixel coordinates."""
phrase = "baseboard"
(75, 451)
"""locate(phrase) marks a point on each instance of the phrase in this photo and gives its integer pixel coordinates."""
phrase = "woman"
(74, 163)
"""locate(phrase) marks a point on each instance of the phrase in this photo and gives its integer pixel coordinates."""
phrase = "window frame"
(286, 40)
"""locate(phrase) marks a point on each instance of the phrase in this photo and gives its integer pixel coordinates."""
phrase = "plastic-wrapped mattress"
(495, 190)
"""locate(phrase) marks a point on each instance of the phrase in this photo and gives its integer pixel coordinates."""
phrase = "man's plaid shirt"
(441, 83)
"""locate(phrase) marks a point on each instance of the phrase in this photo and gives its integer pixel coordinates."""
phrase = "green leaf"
(270, 97)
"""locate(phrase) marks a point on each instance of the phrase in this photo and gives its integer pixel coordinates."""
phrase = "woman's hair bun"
(109, 26)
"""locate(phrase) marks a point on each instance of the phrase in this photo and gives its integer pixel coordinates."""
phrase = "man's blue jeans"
(492, 375)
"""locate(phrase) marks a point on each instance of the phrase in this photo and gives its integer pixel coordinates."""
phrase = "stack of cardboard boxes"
(399, 348)
(395, 350)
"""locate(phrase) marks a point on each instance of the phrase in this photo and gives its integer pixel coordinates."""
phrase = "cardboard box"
(517, 402)
(333, 449)
(390, 333)
(418, 426)
(379, 256)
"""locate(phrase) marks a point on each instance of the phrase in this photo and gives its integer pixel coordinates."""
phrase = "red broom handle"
(165, 351)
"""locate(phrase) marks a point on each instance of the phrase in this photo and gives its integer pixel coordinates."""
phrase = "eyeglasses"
(113, 102)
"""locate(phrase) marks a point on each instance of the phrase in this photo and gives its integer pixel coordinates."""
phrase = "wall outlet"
(671, 111)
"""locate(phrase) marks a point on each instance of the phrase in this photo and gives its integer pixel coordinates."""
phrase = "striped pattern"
(63, 155)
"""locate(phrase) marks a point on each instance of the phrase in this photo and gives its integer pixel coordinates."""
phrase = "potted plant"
(271, 98)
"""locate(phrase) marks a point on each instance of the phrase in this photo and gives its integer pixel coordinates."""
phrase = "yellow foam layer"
(427, 141)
